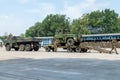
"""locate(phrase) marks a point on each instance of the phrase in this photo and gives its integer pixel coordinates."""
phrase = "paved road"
(59, 69)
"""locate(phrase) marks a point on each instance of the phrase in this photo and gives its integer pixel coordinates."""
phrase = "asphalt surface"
(59, 69)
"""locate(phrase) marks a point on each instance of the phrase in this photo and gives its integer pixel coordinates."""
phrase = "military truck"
(64, 40)
(21, 44)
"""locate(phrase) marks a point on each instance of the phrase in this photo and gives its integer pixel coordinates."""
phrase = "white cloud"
(38, 11)
(43, 9)
(16, 24)
(11, 24)
(90, 1)
(72, 10)
(76, 10)
(23, 1)
(26, 1)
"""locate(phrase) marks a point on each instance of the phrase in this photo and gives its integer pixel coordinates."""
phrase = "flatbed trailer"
(99, 42)
(100, 37)
(92, 41)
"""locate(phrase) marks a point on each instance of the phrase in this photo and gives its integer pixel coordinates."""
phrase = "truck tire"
(36, 47)
(28, 47)
(54, 49)
(69, 49)
(74, 49)
(8, 48)
(70, 41)
(16, 49)
(22, 47)
(78, 49)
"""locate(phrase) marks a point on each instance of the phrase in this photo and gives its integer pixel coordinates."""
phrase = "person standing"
(114, 43)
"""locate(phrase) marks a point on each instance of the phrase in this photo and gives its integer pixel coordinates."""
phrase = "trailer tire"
(22, 47)
(84, 50)
(8, 48)
(47, 49)
(36, 47)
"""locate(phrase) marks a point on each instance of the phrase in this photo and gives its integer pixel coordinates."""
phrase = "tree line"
(96, 22)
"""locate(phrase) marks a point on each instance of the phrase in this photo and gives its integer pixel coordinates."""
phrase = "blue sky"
(18, 15)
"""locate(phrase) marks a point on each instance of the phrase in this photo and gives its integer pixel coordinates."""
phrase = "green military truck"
(64, 40)
(21, 44)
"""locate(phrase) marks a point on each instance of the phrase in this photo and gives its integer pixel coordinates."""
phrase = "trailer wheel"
(22, 47)
(70, 41)
(47, 49)
(36, 47)
(84, 50)
(28, 47)
(8, 48)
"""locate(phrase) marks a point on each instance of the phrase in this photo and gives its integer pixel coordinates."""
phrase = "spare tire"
(70, 41)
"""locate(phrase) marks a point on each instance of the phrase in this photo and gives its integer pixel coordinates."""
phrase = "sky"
(16, 16)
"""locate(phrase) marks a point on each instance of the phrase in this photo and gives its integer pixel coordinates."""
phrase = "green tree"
(119, 21)
(79, 25)
(54, 22)
(95, 19)
(118, 24)
(48, 26)
(105, 20)
(34, 31)
(110, 19)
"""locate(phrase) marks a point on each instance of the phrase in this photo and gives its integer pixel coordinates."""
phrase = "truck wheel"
(54, 49)
(28, 47)
(22, 47)
(74, 49)
(70, 41)
(47, 49)
(69, 49)
(36, 47)
(78, 49)
(8, 48)
(16, 49)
